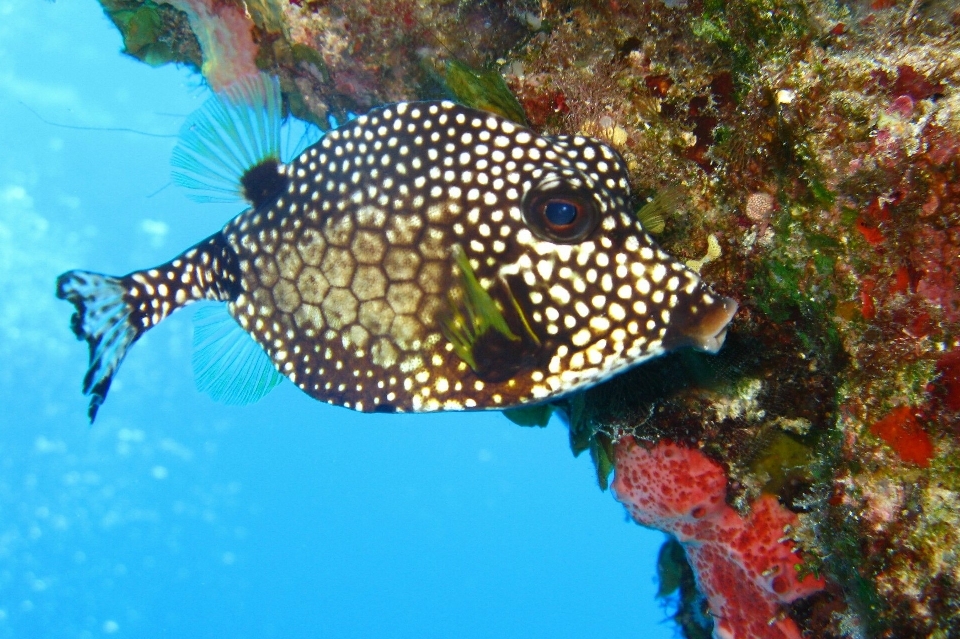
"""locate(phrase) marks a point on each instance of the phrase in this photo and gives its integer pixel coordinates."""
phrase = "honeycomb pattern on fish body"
(346, 278)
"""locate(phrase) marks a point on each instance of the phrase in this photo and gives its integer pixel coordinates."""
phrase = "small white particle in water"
(156, 230)
(786, 96)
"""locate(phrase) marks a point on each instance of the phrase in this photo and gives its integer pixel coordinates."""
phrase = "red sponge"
(744, 566)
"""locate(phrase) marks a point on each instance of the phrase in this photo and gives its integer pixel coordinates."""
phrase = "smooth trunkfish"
(422, 257)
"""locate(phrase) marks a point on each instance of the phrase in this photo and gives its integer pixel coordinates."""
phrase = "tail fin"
(102, 318)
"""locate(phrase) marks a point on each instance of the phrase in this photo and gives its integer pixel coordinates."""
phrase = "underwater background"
(174, 516)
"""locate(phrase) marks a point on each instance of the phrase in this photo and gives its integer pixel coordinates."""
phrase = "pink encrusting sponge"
(744, 566)
(225, 33)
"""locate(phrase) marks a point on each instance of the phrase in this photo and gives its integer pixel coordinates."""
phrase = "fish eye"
(561, 212)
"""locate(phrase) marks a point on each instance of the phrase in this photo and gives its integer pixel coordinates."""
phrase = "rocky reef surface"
(804, 156)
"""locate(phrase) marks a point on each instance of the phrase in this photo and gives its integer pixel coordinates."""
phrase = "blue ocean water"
(174, 516)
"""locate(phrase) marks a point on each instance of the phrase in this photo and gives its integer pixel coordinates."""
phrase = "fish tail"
(111, 313)
(102, 319)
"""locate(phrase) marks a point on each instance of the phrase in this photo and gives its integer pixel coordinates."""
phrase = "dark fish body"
(428, 256)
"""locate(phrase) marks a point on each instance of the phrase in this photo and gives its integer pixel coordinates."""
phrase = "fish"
(424, 256)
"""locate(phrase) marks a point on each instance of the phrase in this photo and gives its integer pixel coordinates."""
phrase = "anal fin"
(228, 364)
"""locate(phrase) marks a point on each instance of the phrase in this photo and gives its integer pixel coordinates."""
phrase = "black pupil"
(560, 213)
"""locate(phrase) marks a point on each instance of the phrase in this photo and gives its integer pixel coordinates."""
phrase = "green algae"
(836, 544)
(821, 194)
(911, 382)
(484, 90)
(750, 32)
(603, 457)
(776, 290)
(670, 568)
(785, 458)
(538, 415)
(586, 435)
(156, 34)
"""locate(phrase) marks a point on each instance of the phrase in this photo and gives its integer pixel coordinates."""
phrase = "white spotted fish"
(424, 256)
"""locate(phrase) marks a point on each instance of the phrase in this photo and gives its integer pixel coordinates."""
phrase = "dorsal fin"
(228, 364)
(229, 149)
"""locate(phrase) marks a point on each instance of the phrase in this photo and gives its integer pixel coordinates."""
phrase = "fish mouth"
(704, 332)
(711, 332)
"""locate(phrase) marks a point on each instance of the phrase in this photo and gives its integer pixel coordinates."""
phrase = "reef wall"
(805, 157)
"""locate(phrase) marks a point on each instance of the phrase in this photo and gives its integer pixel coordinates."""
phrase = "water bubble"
(156, 230)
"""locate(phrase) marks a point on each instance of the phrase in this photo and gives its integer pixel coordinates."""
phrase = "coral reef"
(333, 58)
(817, 143)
